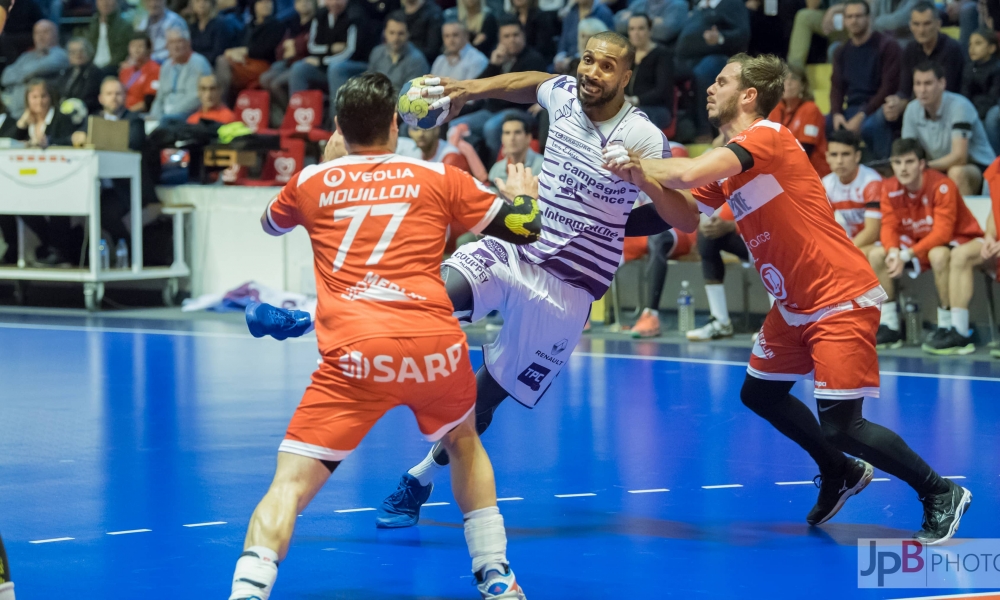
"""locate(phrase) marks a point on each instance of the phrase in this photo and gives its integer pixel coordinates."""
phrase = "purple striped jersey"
(584, 207)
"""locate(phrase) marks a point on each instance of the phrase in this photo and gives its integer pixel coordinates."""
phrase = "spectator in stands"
(460, 59)
(82, 80)
(948, 129)
(8, 123)
(41, 126)
(798, 112)
(516, 140)
(865, 71)
(426, 144)
(376, 11)
(715, 30)
(716, 234)
(652, 85)
(928, 44)
(666, 19)
(46, 61)
(177, 95)
(18, 32)
(158, 20)
(293, 48)
(423, 21)
(568, 47)
(771, 25)
(853, 189)
(211, 33)
(140, 74)
(398, 58)
(892, 17)
(241, 67)
(811, 21)
(586, 29)
(981, 82)
(991, 246)
(511, 56)
(333, 46)
(541, 27)
(925, 224)
(212, 108)
(479, 21)
(662, 247)
(109, 34)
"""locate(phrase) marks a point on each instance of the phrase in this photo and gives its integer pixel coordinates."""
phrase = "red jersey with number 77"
(804, 257)
(378, 225)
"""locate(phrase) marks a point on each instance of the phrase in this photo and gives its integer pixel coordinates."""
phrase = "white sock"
(7, 591)
(487, 540)
(717, 302)
(944, 318)
(427, 469)
(253, 571)
(960, 320)
(890, 315)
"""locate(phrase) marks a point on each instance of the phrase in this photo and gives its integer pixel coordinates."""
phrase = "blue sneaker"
(494, 585)
(402, 508)
(279, 323)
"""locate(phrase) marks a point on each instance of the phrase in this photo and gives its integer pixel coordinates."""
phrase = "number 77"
(357, 216)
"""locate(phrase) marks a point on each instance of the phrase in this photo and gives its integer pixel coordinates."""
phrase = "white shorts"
(543, 316)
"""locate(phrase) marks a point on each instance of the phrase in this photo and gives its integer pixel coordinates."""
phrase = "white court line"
(954, 476)
(793, 483)
(881, 479)
(63, 539)
(353, 510)
(720, 487)
(979, 595)
(205, 524)
(512, 498)
(653, 491)
(436, 504)
(575, 495)
(129, 531)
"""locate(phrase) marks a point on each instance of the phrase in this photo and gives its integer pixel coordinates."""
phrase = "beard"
(601, 100)
(726, 113)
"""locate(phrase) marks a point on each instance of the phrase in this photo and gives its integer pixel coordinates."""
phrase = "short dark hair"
(924, 6)
(366, 105)
(510, 118)
(987, 34)
(904, 146)
(618, 40)
(508, 20)
(398, 16)
(142, 35)
(926, 66)
(764, 73)
(845, 137)
(868, 8)
(649, 22)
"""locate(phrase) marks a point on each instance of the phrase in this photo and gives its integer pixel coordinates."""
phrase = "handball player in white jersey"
(544, 290)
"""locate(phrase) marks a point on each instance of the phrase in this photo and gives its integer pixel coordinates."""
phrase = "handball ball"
(415, 110)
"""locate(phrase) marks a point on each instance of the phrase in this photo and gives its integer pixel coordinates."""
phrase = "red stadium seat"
(253, 107)
(304, 117)
(278, 168)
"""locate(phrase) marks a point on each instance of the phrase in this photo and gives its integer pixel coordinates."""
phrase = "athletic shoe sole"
(645, 334)
(709, 339)
(860, 485)
(963, 507)
(890, 346)
(953, 351)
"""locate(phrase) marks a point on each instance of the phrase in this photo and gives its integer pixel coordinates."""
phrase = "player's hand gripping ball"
(420, 104)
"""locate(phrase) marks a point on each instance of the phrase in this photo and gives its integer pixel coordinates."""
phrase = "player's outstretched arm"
(687, 173)
(521, 88)
(672, 206)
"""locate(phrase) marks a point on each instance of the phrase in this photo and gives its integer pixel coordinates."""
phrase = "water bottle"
(121, 255)
(914, 326)
(685, 309)
(102, 248)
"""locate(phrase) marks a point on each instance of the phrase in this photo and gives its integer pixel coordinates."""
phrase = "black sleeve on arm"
(519, 222)
(807, 147)
(746, 160)
(644, 220)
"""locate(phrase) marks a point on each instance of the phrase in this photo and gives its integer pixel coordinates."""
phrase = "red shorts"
(357, 384)
(838, 343)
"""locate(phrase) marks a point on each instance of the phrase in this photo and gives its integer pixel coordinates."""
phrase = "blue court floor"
(132, 453)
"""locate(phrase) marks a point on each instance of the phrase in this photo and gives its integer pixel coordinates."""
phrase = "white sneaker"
(494, 585)
(712, 330)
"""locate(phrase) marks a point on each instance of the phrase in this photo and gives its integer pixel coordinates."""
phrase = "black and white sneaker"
(833, 492)
(949, 343)
(942, 514)
(888, 338)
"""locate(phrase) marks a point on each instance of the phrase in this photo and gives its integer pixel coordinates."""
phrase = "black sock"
(844, 426)
(771, 400)
(489, 395)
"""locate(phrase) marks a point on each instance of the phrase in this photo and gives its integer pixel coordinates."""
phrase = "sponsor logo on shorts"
(533, 376)
(384, 368)
(551, 359)
(475, 266)
(774, 281)
(761, 348)
(559, 346)
(495, 247)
